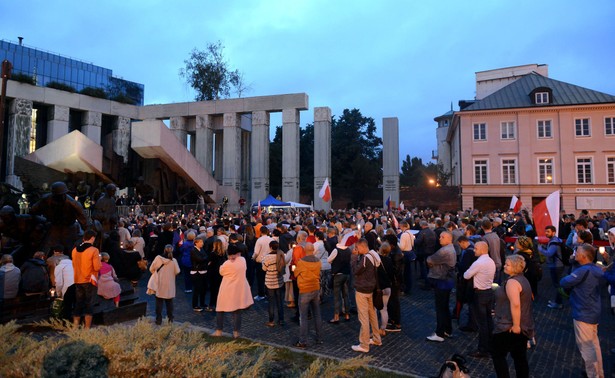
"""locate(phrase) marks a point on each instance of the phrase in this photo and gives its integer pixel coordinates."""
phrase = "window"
(480, 131)
(584, 170)
(581, 127)
(610, 170)
(509, 171)
(609, 126)
(544, 129)
(545, 171)
(542, 97)
(508, 130)
(480, 172)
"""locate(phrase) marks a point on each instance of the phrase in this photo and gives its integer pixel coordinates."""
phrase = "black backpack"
(566, 252)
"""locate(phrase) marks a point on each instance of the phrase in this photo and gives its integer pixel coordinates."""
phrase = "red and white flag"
(259, 212)
(515, 204)
(325, 191)
(401, 205)
(546, 213)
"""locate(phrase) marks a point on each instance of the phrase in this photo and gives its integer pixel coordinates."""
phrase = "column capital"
(260, 118)
(203, 122)
(20, 106)
(230, 120)
(178, 123)
(322, 114)
(90, 118)
(290, 116)
(59, 113)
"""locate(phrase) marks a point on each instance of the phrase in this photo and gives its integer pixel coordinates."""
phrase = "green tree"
(412, 172)
(210, 75)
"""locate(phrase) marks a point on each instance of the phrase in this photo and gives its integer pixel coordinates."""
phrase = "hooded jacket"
(10, 275)
(34, 276)
(585, 282)
(86, 262)
(364, 270)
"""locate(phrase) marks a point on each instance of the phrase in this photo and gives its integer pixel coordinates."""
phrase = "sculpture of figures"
(83, 190)
(25, 233)
(105, 209)
(63, 213)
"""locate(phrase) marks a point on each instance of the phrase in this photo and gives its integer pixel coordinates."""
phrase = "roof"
(517, 94)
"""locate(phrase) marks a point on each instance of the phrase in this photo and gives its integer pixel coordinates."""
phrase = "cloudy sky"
(407, 59)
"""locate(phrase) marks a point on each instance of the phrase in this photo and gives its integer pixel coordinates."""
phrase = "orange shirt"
(86, 261)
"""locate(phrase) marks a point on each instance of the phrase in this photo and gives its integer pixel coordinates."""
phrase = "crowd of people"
(362, 260)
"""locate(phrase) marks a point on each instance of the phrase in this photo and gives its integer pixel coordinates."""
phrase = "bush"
(94, 92)
(76, 359)
(22, 78)
(124, 99)
(61, 86)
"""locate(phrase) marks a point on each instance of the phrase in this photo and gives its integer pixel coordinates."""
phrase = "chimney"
(20, 40)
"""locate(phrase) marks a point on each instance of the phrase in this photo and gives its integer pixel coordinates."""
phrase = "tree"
(412, 172)
(210, 76)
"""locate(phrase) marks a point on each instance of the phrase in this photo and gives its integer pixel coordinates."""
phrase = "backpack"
(566, 252)
(280, 263)
(454, 368)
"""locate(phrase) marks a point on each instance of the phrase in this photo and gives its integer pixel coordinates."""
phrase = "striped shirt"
(273, 280)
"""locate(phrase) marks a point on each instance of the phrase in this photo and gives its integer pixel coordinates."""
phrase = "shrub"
(94, 92)
(61, 86)
(76, 359)
(22, 78)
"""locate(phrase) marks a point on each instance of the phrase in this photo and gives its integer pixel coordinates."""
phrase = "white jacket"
(64, 275)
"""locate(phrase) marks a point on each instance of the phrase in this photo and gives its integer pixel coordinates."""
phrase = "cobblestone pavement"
(408, 352)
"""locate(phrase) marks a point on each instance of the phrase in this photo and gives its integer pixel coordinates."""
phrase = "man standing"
(307, 272)
(364, 264)
(406, 243)
(552, 252)
(585, 282)
(261, 249)
(483, 271)
(425, 245)
(86, 264)
(441, 273)
(493, 241)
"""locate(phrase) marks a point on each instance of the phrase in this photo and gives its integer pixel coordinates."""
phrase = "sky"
(407, 59)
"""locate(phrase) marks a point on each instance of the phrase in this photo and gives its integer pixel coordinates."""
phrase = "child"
(108, 287)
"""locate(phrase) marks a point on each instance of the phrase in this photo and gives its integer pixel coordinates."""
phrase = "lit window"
(542, 97)
(544, 129)
(508, 130)
(480, 131)
(584, 170)
(509, 171)
(480, 171)
(581, 127)
(545, 171)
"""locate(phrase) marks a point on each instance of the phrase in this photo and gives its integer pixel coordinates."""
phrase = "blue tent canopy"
(270, 201)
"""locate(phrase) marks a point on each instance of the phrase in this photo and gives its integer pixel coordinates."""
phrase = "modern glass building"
(45, 67)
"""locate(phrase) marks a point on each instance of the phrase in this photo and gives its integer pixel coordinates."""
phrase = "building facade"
(529, 135)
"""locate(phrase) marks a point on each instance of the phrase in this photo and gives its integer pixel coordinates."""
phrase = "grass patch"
(145, 350)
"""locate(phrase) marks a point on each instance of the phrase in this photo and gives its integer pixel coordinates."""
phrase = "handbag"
(142, 264)
(152, 284)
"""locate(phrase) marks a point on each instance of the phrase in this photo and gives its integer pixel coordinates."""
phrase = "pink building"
(529, 135)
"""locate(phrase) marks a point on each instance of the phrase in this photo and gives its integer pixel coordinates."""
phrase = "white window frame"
(479, 125)
(591, 169)
(609, 123)
(506, 166)
(589, 127)
(541, 164)
(610, 170)
(486, 167)
(508, 130)
(541, 97)
(545, 123)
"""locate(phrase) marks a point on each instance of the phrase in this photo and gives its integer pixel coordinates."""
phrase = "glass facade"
(45, 67)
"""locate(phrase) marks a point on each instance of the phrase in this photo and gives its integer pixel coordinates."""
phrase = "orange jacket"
(86, 261)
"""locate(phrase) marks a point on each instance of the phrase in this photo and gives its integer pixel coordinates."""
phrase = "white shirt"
(261, 248)
(483, 271)
(406, 241)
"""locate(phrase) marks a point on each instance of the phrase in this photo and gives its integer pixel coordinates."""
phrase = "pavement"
(407, 352)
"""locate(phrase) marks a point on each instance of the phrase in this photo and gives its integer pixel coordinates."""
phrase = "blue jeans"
(555, 274)
(444, 323)
(275, 300)
(409, 258)
(307, 300)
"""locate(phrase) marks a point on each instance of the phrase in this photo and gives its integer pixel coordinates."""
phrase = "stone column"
(18, 136)
(290, 155)
(231, 163)
(259, 156)
(57, 126)
(91, 124)
(322, 154)
(219, 153)
(204, 136)
(390, 159)
(121, 137)
(178, 126)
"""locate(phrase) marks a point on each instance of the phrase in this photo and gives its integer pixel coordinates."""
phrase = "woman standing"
(385, 278)
(216, 258)
(236, 294)
(325, 268)
(513, 324)
(525, 248)
(198, 274)
(274, 281)
(340, 270)
(166, 268)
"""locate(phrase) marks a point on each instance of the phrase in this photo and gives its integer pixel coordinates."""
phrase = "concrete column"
(57, 126)
(390, 159)
(91, 124)
(290, 155)
(219, 153)
(121, 137)
(322, 154)
(231, 163)
(18, 136)
(245, 164)
(204, 136)
(178, 126)
(259, 156)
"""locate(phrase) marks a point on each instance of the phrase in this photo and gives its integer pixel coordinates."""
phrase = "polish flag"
(325, 191)
(515, 204)
(546, 213)
(260, 210)
(401, 205)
